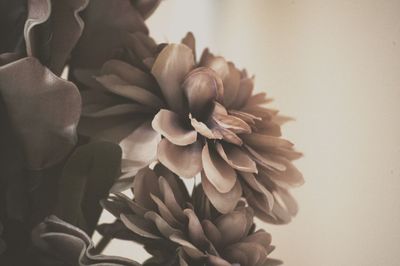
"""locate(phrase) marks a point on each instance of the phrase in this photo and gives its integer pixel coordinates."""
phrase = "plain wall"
(335, 67)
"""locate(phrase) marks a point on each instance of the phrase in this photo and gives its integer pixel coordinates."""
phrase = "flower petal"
(218, 172)
(231, 85)
(120, 87)
(165, 229)
(190, 42)
(185, 161)
(141, 144)
(233, 123)
(203, 129)
(236, 157)
(263, 142)
(223, 202)
(232, 226)
(139, 226)
(170, 125)
(169, 69)
(201, 87)
(145, 184)
(129, 73)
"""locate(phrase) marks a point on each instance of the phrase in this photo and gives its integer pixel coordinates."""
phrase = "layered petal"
(169, 69)
(185, 161)
(169, 125)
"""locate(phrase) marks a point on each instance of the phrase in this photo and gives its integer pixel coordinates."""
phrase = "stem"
(103, 243)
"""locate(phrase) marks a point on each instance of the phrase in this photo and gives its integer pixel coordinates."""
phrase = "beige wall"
(335, 66)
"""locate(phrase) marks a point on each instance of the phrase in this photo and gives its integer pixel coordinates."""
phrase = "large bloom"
(210, 120)
(179, 230)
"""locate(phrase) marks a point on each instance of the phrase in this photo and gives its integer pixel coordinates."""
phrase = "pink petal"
(185, 161)
(236, 157)
(218, 172)
(169, 69)
(170, 125)
(223, 202)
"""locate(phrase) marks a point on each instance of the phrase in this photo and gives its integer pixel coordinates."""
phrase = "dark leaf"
(86, 179)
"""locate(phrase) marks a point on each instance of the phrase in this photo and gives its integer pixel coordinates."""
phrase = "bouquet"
(91, 107)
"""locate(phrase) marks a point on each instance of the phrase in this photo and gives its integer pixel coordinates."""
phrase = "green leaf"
(86, 179)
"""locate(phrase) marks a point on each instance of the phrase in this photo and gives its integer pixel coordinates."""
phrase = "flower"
(210, 121)
(181, 230)
(56, 242)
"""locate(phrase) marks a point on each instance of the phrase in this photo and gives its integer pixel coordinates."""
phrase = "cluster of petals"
(210, 121)
(182, 230)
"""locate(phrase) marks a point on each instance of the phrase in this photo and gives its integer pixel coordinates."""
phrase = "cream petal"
(129, 73)
(201, 87)
(228, 136)
(249, 254)
(233, 123)
(188, 247)
(141, 144)
(232, 226)
(223, 202)
(284, 197)
(185, 161)
(265, 160)
(218, 172)
(169, 198)
(264, 113)
(195, 230)
(231, 85)
(212, 233)
(266, 127)
(246, 117)
(263, 142)
(290, 176)
(236, 157)
(217, 63)
(165, 212)
(117, 86)
(261, 237)
(169, 69)
(245, 90)
(257, 186)
(165, 229)
(190, 42)
(170, 181)
(170, 125)
(258, 99)
(281, 119)
(203, 129)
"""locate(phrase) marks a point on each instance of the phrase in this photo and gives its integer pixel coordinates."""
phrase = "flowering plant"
(132, 114)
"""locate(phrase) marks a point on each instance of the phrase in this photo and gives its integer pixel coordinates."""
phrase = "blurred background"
(335, 67)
